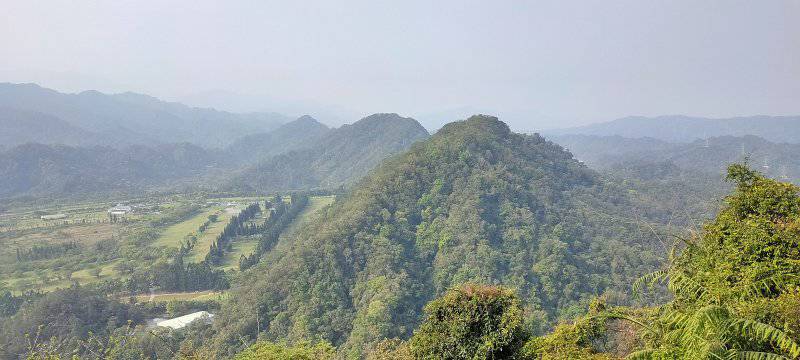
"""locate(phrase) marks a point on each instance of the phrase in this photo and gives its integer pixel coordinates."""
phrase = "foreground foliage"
(303, 351)
(736, 283)
(471, 322)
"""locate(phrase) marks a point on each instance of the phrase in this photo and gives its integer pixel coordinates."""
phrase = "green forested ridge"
(735, 286)
(338, 157)
(474, 203)
(56, 170)
(301, 133)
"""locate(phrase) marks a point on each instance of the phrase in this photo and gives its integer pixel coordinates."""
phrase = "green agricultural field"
(247, 245)
(206, 238)
(90, 274)
(182, 296)
(315, 205)
(175, 234)
(102, 246)
(87, 226)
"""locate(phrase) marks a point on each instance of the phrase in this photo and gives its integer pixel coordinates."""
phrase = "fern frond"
(755, 355)
(763, 287)
(648, 280)
(630, 319)
(647, 354)
(766, 333)
(680, 283)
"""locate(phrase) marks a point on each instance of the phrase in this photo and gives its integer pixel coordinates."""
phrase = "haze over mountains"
(301, 154)
(680, 128)
(94, 118)
(130, 142)
(335, 158)
(711, 155)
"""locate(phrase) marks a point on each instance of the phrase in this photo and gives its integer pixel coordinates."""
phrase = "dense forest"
(57, 170)
(400, 180)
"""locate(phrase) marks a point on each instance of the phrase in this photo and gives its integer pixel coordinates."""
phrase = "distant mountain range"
(678, 128)
(710, 156)
(29, 112)
(338, 157)
(59, 170)
(302, 133)
(301, 154)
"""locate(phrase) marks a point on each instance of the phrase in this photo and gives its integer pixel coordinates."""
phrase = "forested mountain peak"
(482, 125)
(385, 122)
(308, 120)
(303, 123)
(473, 203)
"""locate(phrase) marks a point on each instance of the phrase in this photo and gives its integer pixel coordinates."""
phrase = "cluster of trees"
(281, 217)
(47, 251)
(211, 219)
(237, 226)
(59, 322)
(177, 276)
(10, 303)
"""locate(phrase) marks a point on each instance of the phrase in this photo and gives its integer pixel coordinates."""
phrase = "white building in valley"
(183, 321)
(54, 217)
(120, 210)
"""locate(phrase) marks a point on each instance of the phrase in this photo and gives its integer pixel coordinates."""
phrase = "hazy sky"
(537, 64)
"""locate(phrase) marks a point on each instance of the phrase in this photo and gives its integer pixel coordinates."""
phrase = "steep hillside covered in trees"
(474, 203)
(339, 157)
(57, 170)
(302, 133)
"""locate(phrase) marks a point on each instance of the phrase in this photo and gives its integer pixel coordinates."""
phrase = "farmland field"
(182, 296)
(206, 238)
(175, 234)
(87, 247)
(247, 245)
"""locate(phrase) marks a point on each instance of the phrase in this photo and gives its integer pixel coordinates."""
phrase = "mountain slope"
(678, 128)
(126, 119)
(474, 203)
(710, 156)
(338, 157)
(47, 170)
(298, 134)
(19, 127)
